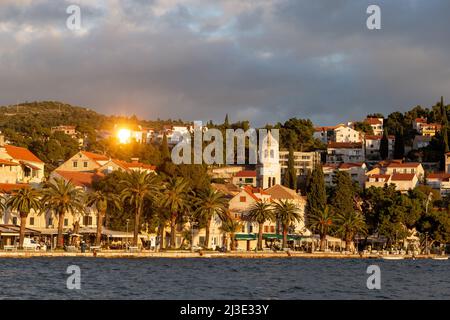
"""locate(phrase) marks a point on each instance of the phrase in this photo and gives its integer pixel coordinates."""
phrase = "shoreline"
(204, 255)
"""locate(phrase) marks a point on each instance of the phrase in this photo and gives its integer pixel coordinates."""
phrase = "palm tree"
(61, 197)
(2, 205)
(230, 226)
(136, 188)
(174, 198)
(321, 221)
(349, 225)
(286, 213)
(101, 200)
(210, 203)
(23, 201)
(260, 212)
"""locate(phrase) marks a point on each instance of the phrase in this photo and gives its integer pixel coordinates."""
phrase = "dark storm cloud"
(260, 60)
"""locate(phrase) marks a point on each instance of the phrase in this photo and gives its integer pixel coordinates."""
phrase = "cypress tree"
(384, 145)
(226, 123)
(165, 153)
(399, 147)
(292, 176)
(316, 192)
(344, 192)
(444, 128)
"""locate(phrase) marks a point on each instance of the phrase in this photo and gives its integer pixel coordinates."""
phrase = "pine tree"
(384, 145)
(316, 192)
(399, 147)
(344, 193)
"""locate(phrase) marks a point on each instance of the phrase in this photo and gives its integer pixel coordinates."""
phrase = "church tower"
(268, 168)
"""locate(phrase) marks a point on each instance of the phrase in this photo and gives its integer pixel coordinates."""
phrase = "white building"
(268, 168)
(376, 124)
(345, 152)
(339, 133)
(372, 146)
(303, 161)
(357, 172)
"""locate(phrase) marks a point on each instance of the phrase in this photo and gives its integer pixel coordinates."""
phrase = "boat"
(440, 258)
(392, 257)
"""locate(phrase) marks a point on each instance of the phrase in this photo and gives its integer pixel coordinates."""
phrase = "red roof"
(345, 145)
(343, 165)
(326, 128)
(8, 187)
(373, 121)
(81, 179)
(439, 176)
(95, 156)
(404, 165)
(246, 173)
(21, 154)
(421, 120)
(403, 176)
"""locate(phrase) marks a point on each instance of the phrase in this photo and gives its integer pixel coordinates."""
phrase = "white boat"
(440, 258)
(393, 257)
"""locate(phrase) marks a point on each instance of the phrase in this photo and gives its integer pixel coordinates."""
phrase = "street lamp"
(128, 220)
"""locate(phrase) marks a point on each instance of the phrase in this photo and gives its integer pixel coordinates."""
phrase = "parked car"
(30, 244)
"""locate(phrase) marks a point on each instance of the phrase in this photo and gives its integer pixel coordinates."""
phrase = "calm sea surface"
(159, 278)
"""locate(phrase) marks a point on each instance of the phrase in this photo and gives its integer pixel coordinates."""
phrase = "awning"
(271, 236)
(245, 236)
(29, 165)
(10, 229)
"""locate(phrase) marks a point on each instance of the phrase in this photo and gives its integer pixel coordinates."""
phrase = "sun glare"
(124, 135)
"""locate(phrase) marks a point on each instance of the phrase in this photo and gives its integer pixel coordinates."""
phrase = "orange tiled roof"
(403, 176)
(373, 121)
(95, 156)
(81, 179)
(20, 153)
(404, 165)
(9, 187)
(246, 173)
(438, 175)
(374, 137)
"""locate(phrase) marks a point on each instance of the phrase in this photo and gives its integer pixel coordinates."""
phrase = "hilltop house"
(245, 178)
(372, 146)
(339, 133)
(376, 124)
(405, 175)
(345, 152)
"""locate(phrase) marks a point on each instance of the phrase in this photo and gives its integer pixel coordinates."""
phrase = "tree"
(290, 179)
(261, 212)
(226, 123)
(137, 187)
(23, 201)
(230, 226)
(316, 192)
(174, 198)
(349, 224)
(101, 201)
(321, 221)
(363, 127)
(165, 153)
(62, 197)
(286, 213)
(399, 146)
(384, 145)
(209, 203)
(344, 193)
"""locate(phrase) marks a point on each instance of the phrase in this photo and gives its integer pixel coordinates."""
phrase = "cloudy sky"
(262, 60)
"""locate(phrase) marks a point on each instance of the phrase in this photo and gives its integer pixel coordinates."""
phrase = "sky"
(261, 60)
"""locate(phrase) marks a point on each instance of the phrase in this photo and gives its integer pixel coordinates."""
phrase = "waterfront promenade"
(188, 254)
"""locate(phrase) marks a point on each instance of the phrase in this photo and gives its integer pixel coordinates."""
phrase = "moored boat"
(393, 257)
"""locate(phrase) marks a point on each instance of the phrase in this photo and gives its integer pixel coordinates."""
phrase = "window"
(85, 164)
(14, 220)
(87, 220)
(50, 221)
(31, 221)
(248, 180)
(66, 222)
(75, 164)
(242, 199)
(266, 229)
(272, 229)
(250, 228)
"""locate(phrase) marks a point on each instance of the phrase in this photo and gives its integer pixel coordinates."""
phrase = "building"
(415, 168)
(268, 169)
(357, 172)
(339, 133)
(422, 126)
(372, 146)
(402, 181)
(19, 165)
(69, 130)
(376, 124)
(421, 142)
(245, 178)
(303, 161)
(439, 181)
(345, 152)
(134, 165)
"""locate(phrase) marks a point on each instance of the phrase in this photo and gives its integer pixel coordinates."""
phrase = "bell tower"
(268, 168)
